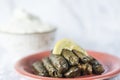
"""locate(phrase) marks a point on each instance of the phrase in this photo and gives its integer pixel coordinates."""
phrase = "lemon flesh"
(67, 44)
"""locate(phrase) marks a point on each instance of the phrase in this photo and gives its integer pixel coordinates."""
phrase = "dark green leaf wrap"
(40, 69)
(50, 68)
(72, 72)
(83, 58)
(97, 67)
(59, 63)
(70, 57)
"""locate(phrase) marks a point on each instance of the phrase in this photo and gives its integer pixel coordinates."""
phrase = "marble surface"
(93, 24)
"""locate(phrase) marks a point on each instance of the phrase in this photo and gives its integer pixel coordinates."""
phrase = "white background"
(93, 24)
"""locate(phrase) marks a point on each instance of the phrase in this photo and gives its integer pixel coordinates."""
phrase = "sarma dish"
(69, 62)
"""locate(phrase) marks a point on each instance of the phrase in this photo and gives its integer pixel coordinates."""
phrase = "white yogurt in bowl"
(25, 33)
(25, 23)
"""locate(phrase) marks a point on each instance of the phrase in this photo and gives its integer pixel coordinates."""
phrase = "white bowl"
(27, 43)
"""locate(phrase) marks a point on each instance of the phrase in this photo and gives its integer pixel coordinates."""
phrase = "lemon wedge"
(67, 44)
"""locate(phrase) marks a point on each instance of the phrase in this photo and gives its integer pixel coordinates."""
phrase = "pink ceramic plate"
(110, 63)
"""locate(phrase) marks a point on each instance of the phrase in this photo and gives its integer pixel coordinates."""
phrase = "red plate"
(110, 63)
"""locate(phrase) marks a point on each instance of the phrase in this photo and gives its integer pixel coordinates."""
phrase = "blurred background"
(93, 24)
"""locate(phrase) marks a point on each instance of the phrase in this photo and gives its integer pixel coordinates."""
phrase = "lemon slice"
(67, 44)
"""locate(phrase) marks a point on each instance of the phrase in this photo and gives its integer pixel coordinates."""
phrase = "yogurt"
(23, 22)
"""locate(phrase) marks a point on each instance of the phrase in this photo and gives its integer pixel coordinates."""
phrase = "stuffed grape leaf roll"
(40, 69)
(59, 63)
(50, 68)
(70, 57)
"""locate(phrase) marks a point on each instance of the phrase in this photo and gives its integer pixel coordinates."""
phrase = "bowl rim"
(44, 32)
(32, 76)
